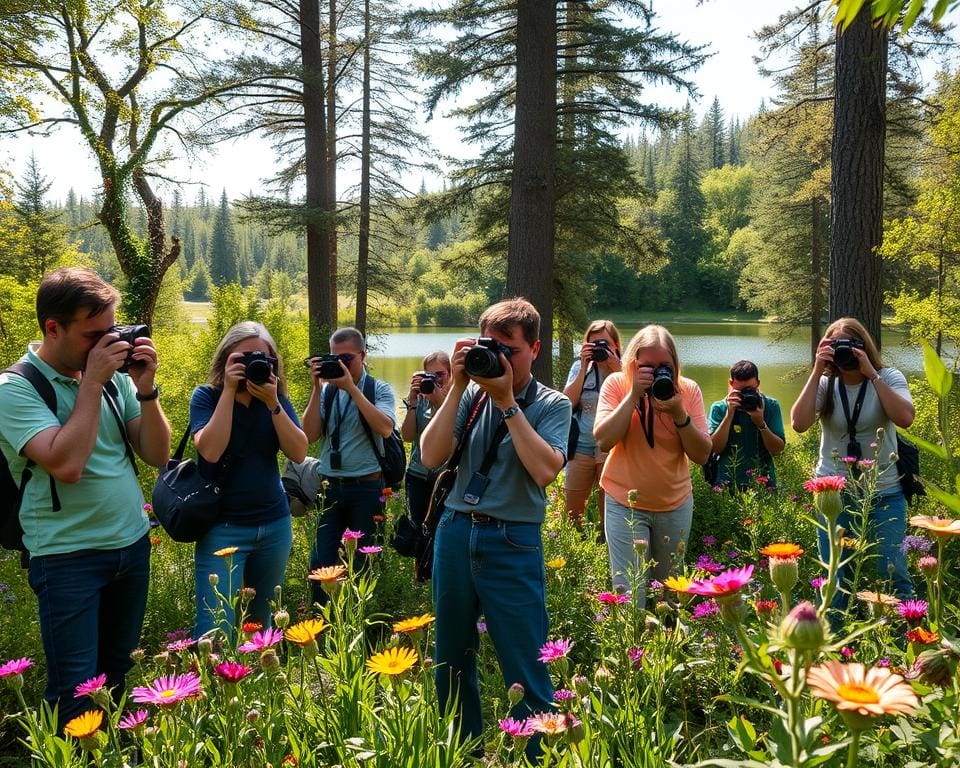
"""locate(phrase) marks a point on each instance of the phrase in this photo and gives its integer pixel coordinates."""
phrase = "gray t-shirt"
(586, 412)
(356, 454)
(511, 493)
(834, 434)
(423, 414)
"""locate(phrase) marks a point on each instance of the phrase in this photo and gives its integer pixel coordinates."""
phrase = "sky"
(239, 166)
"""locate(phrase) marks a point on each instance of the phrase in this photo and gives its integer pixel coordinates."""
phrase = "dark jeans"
(418, 495)
(347, 504)
(91, 606)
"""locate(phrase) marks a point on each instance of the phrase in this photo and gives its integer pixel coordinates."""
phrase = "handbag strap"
(478, 402)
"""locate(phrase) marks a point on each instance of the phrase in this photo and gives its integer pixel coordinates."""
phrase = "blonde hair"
(850, 327)
(437, 357)
(653, 336)
(600, 326)
(241, 332)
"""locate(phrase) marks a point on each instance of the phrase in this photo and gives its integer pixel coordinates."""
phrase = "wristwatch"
(276, 411)
(147, 398)
(509, 413)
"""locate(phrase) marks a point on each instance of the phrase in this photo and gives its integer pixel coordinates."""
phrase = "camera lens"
(258, 371)
(428, 385)
(749, 399)
(662, 387)
(483, 363)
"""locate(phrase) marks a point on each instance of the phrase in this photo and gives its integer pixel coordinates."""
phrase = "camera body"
(129, 334)
(258, 366)
(662, 387)
(328, 365)
(843, 356)
(600, 351)
(750, 398)
(483, 358)
(428, 383)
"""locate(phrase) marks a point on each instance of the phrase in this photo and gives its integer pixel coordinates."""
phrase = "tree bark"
(856, 186)
(816, 279)
(330, 203)
(363, 240)
(533, 190)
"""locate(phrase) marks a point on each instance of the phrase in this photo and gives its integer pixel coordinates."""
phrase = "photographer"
(420, 407)
(852, 393)
(82, 508)
(747, 430)
(599, 357)
(240, 418)
(488, 554)
(651, 420)
(347, 459)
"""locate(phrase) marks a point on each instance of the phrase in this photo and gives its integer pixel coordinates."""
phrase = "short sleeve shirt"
(745, 449)
(356, 454)
(586, 410)
(251, 492)
(104, 510)
(834, 433)
(660, 475)
(424, 412)
(512, 494)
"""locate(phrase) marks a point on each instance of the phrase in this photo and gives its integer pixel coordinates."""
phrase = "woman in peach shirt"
(652, 421)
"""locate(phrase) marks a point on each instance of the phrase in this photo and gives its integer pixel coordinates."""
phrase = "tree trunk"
(320, 278)
(330, 203)
(532, 194)
(816, 279)
(363, 241)
(856, 185)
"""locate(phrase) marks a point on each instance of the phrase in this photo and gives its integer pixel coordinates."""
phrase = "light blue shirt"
(586, 411)
(356, 454)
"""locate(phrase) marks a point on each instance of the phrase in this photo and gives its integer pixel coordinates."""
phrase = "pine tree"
(713, 136)
(45, 238)
(224, 264)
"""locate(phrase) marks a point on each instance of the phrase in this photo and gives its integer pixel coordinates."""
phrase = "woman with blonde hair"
(240, 419)
(599, 357)
(651, 419)
(852, 393)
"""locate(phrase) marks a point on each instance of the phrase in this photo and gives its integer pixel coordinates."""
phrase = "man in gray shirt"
(488, 554)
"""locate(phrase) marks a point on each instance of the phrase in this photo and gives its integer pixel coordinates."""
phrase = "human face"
(654, 357)
(596, 336)
(66, 347)
(357, 356)
(522, 354)
(741, 385)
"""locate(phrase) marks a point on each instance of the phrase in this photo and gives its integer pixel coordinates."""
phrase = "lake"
(707, 350)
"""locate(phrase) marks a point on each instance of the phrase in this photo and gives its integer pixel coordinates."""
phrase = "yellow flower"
(84, 725)
(860, 694)
(305, 632)
(677, 583)
(226, 551)
(557, 563)
(414, 624)
(782, 550)
(393, 661)
(938, 526)
(328, 573)
(848, 542)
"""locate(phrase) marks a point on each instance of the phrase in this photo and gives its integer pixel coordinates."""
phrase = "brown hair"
(744, 370)
(349, 335)
(241, 332)
(437, 357)
(599, 326)
(654, 336)
(848, 328)
(505, 315)
(64, 292)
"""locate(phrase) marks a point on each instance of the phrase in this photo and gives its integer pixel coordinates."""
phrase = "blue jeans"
(494, 568)
(259, 562)
(662, 531)
(91, 605)
(347, 504)
(886, 527)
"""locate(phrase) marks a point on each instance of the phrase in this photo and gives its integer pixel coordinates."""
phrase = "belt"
(478, 517)
(352, 480)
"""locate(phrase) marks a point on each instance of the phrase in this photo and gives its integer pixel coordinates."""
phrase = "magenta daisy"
(554, 650)
(549, 723)
(705, 609)
(169, 690)
(611, 598)
(133, 720)
(371, 550)
(563, 694)
(232, 671)
(516, 728)
(14, 667)
(722, 585)
(90, 687)
(355, 535)
(636, 657)
(181, 645)
(262, 640)
(913, 611)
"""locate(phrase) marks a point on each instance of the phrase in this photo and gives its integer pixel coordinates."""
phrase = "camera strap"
(502, 428)
(645, 411)
(852, 420)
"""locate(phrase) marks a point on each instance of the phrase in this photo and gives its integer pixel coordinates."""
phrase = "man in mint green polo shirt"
(86, 532)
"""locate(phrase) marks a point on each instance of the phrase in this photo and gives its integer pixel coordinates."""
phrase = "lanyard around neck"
(645, 411)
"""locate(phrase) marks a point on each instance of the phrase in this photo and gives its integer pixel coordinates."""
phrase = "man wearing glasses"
(348, 464)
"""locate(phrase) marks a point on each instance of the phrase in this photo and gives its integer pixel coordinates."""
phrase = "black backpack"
(393, 462)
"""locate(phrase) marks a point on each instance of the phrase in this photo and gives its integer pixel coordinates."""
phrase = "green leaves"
(939, 377)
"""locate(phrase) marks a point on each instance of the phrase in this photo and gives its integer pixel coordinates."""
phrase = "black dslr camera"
(328, 365)
(428, 383)
(750, 398)
(129, 334)
(600, 351)
(843, 355)
(662, 387)
(483, 358)
(258, 366)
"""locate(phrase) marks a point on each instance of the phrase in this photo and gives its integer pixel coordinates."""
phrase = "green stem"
(854, 749)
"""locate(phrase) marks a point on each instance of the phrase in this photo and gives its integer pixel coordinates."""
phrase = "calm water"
(707, 350)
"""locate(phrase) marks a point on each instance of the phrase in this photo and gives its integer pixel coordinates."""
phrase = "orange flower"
(84, 725)
(938, 526)
(327, 573)
(305, 632)
(782, 550)
(414, 624)
(879, 598)
(922, 636)
(861, 694)
(748, 522)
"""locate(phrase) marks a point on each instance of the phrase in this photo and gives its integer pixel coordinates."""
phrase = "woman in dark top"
(238, 427)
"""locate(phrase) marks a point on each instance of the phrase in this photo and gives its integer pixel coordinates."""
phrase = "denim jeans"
(346, 504)
(886, 527)
(494, 568)
(662, 531)
(91, 605)
(259, 562)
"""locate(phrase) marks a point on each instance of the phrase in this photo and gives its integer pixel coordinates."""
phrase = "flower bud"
(603, 677)
(640, 546)
(253, 715)
(803, 629)
(515, 694)
(928, 565)
(662, 608)
(137, 655)
(732, 608)
(783, 573)
(581, 685)
(247, 594)
(213, 579)
(829, 504)
(575, 730)
(281, 619)
(934, 666)
(205, 646)
(269, 661)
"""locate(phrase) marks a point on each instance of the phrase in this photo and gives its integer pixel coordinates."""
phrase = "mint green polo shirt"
(104, 510)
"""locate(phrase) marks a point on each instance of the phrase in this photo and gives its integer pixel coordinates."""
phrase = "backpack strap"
(330, 393)
(370, 393)
(111, 395)
(44, 388)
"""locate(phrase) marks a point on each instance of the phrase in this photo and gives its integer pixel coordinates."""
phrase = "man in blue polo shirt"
(488, 554)
(747, 430)
(354, 486)
(89, 559)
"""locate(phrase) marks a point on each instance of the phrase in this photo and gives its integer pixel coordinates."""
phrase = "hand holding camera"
(328, 367)
(487, 362)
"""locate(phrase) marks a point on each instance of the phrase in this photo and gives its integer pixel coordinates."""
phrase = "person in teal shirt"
(747, 431)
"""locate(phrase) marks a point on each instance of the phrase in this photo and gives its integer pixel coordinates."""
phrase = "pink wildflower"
(636, 657)
(913, 611)
(354, 535)
(90, 687)
(516, 728)
(181, 645)
(828, 483)
(232, 671)
(563, 694)
(611, 598)
(371, 550)
(727, 583)
(133, 720)
(169, 690)
(262, 640)
(14, 667)
(554, 650)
